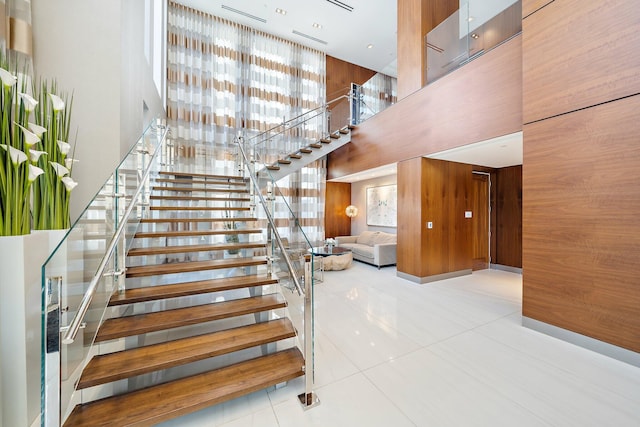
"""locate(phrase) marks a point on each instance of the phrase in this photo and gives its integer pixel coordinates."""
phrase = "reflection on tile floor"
(452, 353)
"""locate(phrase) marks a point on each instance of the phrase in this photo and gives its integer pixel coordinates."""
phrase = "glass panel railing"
(468, 33)
(291, 253)
(372, 97)
(90, 257)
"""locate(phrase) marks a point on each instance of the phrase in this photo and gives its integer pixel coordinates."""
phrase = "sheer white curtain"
(224, 77)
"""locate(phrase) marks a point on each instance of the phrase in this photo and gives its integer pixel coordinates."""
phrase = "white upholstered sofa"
(373, 247)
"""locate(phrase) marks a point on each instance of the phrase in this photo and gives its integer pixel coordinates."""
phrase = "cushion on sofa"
(385, 238)
(367, 238)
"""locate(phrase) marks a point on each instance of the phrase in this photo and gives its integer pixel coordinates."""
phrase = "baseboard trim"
(606, 349)
(434, 278)
(508, 268)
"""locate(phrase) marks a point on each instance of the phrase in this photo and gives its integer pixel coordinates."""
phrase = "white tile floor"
(453, 353)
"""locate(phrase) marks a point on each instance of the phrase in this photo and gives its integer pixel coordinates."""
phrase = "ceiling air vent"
(248, 15)
(342, 5)
(309, 37)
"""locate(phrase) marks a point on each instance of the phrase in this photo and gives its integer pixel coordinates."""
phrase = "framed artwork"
(382, 206)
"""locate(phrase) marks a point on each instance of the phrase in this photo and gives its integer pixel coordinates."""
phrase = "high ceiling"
(344, 34)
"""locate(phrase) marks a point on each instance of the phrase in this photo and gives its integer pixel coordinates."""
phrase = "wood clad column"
(415, 19)
(581, 192)
(439, 192)
(336, 221)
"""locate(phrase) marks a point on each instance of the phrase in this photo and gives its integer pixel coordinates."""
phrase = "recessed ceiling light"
(475, 36)
(469, 19)
(316, 25)
(369, 46)
(281, 11)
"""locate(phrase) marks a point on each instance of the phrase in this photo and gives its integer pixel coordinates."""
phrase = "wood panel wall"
(434, 191)
(581, 193)
(415, 19)
(597, 61)
(530, 6)
(340, 75)
(338, 197)
(508, 217)
(479, 101)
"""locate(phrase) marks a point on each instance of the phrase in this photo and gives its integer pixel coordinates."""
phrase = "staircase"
(198, 289)
(291, 162)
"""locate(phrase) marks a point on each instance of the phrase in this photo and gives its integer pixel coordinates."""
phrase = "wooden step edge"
(295, 156)
(351, 127)
(193, 220)
(124, 364)
(162, 250)
(139, 324)
(176, 290)
(335, 135)
(204, 175)
(159, 403)
(196, 181)
(284, 161)
(273, 167)
(199, 208)
(199, 190)
(204, 198)
(306, 150)
(344, 130)
(194, 233)
(326, 140)
(192, 266)
(315, 145)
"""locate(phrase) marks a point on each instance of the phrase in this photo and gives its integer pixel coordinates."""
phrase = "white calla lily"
(34, 172)
(64, 147)
(37, 129)
(17, 156)
(60, 170)
(30, 138)
(69, 183)
(35, 155)
(7, 78)
(28, 101)
(57, 102)
(68, 162)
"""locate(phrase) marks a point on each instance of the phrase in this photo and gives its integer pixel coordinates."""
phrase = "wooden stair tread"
(186, 220)
(191, 266)
(315, 145)
(211, 199)
(335, 135)
(195, 233)
(199, 208)
(284, 161)
(152, 405)
(168, 319)
(306, 150)
(295, 156)
(199, 189)
(161, 250)
(199, 181)
(203, 175)
(325, 140)
(344, 130)
(152, 293)
(129, 363)
(273, 167)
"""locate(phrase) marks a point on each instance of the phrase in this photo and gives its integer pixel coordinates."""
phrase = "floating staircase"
(201, 321)
(288, 163)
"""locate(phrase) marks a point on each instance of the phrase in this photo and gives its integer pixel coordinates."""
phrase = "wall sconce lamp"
(351, 211)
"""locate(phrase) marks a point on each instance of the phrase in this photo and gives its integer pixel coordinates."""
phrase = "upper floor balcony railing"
(470, 32)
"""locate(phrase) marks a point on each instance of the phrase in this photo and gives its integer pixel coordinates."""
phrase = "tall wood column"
(415, 19)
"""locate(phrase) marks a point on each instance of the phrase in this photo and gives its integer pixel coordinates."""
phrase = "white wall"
(359, 200)
(95, 48)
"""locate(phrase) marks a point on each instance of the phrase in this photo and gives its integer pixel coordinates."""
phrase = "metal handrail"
(271, 221)
(76, 322)
(300, 115)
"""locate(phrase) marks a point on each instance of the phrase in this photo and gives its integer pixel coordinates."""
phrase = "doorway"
(481, 221)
